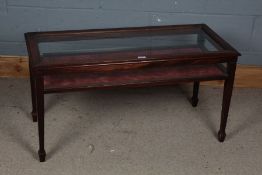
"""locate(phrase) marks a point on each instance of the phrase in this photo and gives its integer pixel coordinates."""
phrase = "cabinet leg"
(194, 99)
(40, 118)
(228, 88)
(33, 96)
(32, 80)
(34, 116)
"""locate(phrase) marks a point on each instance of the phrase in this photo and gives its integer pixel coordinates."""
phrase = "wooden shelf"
(136, 77)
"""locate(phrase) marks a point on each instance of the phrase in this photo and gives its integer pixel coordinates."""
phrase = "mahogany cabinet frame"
(227, 54)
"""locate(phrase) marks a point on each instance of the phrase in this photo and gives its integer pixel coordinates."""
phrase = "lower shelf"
(154, 75)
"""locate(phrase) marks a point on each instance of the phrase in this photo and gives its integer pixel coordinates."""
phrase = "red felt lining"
(132, 76)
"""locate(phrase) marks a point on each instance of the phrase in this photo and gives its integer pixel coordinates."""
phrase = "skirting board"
(246, 76)
(14, 66)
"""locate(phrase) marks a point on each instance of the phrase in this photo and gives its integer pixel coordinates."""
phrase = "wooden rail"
(246, 76)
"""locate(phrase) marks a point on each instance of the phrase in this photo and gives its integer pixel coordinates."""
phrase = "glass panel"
(148, 46)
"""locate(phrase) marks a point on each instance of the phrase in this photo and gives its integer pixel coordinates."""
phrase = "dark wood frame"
(226, 55)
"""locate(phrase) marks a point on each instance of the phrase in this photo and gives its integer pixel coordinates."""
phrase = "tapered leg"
(33, 96)
(228, 88)
(33, 84)
(40, 118)
(194, 99)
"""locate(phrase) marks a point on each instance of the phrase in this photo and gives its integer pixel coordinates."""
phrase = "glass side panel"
(148, 46)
